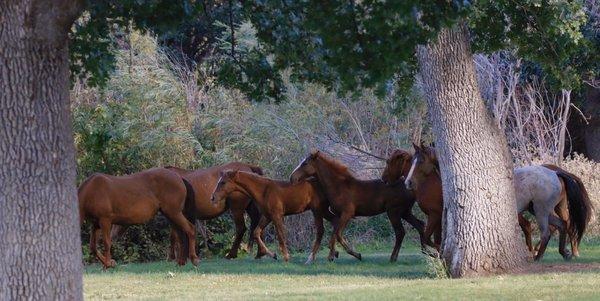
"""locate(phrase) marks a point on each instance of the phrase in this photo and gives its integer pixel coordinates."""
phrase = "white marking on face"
(410, 173)
(298, 167)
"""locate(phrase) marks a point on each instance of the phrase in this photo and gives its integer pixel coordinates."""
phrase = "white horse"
(539, 189)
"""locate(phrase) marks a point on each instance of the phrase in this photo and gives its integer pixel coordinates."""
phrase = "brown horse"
(276, 199)
(135, 199)
(350, 197)
(203, 182)
(429, 194)
(570, 204)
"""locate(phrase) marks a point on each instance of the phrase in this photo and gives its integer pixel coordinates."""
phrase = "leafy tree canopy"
(343, 44)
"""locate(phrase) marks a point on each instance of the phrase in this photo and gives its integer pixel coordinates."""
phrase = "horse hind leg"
(94, 253)
(562, 228)
(185, 227)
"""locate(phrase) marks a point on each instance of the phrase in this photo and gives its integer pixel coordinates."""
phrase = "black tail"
(580, 206)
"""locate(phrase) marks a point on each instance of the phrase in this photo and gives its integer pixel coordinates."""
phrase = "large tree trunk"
(480, 215)
(40, 250)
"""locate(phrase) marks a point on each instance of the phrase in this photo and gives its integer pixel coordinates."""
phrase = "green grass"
(373, 278)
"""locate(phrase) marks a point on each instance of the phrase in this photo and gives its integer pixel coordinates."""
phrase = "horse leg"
(344, 219)
(332, 252)
(185, 227)
(526, 227)
(262, 248)
(280, 230)
(175, 245)
(561, 225)
(93, 243)
(417, 224)
(399, 231)
(240, 229)
(254, 215)
(106, 226)
(318, 220)
(542, 218)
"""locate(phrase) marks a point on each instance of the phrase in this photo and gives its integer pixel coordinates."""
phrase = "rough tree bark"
(480, 216)
(40, 250)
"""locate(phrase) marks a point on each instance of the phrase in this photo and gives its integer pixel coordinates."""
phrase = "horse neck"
(330, 181)
(251, 185)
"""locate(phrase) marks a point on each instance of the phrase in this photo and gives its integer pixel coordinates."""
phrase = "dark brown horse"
(203, 182)
(429, 194)
(135, 199)
(570, 208)
(350, 197)
(276, 199)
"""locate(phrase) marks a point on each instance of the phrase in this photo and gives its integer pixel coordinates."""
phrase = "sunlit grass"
(347, 278)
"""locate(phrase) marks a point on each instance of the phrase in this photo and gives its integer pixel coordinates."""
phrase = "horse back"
(136, 197)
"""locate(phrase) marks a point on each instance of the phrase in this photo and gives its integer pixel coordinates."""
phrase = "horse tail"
(580, 206)
(257, 170)
(190, 198)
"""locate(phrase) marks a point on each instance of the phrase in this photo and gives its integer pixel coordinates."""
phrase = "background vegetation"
(159, 109)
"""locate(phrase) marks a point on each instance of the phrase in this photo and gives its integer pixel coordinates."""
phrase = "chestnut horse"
(350, 197)
(276, 199)
(203, 182)
(135, 199)
(539, 189)
(429, 194)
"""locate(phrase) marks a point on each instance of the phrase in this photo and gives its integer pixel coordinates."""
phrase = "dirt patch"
(567, 267)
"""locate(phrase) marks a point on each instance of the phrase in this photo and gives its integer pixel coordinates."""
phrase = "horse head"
(306, 168)
(225, 186)
(424, 162)
(397, 166)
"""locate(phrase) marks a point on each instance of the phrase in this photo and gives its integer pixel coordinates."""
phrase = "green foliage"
(94, 36)
(353, 44)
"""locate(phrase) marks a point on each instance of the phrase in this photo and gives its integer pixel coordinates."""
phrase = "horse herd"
(329, 190)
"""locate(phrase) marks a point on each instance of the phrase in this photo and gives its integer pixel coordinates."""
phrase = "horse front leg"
(107, 261)
(526, 228)
(281, 238)
(318, 220)
(262, 248)
(339, 233)
(240, 229)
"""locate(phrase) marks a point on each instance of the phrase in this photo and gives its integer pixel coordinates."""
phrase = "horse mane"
(401, 153)
(338, 167)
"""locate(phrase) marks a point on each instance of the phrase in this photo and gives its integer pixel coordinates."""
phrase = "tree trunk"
(480, 215)
(591, 109)
(40, 249)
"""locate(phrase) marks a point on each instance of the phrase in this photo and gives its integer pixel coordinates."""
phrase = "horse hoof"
(330, 258)
(308, 261)
(196, 261)
(274, 256)
(337, 254)
(230, 256)
(112, 264)
(359, 256)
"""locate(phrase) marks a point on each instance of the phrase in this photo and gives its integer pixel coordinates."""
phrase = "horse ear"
(415, 146)
(314, 152)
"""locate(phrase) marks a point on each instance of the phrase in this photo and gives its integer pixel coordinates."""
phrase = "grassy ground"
(345, 279)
